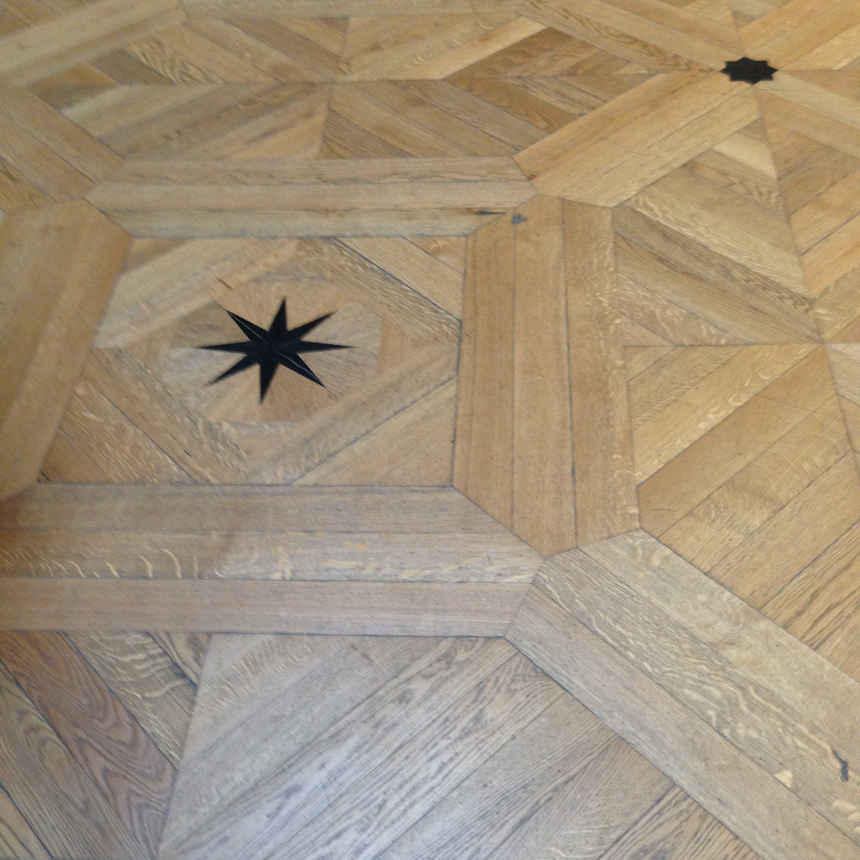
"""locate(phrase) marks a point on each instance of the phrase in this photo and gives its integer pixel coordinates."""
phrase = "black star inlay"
(751, 71)
(278, 345)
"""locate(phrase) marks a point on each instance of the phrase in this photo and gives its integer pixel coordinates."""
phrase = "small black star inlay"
(751, 71)
(278, 345)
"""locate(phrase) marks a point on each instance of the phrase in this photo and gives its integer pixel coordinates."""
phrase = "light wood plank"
(285, 724)
(544, 510)
(246, 509)
(342, 756)
(57, 270)
(348, 608)
(602, 447)
(806, 683)
(484, 443)
(452, 747)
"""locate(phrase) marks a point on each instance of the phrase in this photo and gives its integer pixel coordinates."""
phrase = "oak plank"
(544, 508)
(602, 446)
(246, 509)
(680, 829)
(147, 682)
(57, 267)
(807, 682)
(485, 414)
(301, 789)
(284, 724)
(451, 748)
(347, 608)
(418, 269)
(17, 839)
(199, 447)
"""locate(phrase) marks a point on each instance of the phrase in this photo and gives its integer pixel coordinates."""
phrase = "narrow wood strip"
(348, 171)
(736, 791)
(57, 267)
(244, 509)
(544, 510)
(352, 8)
(450, 221)
(602, 445)
(400, 609)
(483, 453)
(448, 555)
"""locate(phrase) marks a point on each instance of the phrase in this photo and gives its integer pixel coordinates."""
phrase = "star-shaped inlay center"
(278, 345)
(750, 71)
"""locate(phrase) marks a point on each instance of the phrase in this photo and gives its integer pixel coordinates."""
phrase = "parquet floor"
(562, 560)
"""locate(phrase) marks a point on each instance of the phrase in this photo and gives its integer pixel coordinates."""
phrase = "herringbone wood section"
(602, 398)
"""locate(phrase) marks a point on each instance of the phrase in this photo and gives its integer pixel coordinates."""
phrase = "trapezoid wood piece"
(57, 268)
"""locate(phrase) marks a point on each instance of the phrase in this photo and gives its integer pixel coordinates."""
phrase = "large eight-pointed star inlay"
(278, 345)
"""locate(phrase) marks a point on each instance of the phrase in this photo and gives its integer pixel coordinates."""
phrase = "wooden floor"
(563, 560)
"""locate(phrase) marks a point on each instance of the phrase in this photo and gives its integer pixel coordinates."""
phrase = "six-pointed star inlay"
(278, 345)
(750, 71)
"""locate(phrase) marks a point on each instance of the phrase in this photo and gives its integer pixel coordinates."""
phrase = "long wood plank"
(57, 267)
(602, 446)
(245, 509)
(330, 608)
(756, 807)
(356, 197)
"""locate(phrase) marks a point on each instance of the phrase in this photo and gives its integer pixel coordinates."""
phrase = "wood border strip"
(325, 608)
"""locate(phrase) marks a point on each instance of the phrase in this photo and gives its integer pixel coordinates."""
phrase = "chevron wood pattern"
(561, 562)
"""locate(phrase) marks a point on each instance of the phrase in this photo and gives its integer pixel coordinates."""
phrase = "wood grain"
(602, 448)
(58, 267)
(404, 609)
(734, 789)
(107, 743)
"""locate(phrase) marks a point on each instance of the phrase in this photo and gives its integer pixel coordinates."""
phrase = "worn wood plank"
(57, 267)
(348, 608)
(602, 446)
